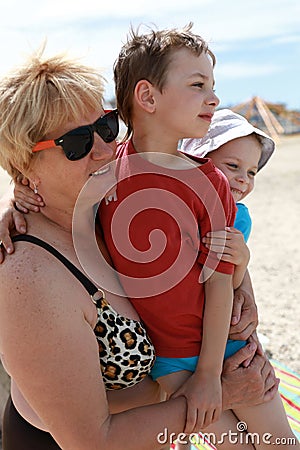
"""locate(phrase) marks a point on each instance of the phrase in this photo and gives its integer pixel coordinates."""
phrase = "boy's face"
(187, 102)
(238, 160)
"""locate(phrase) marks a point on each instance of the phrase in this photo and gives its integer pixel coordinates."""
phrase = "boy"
(164, 87)
(169, 95)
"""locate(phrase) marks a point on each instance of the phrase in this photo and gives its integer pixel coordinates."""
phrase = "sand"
(275, 251)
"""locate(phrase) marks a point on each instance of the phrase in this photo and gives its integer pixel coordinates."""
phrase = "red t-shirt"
(153, 233)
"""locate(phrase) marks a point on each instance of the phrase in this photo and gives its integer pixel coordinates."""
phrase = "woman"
(52, 319)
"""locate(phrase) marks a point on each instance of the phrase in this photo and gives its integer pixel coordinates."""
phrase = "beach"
(275, 251)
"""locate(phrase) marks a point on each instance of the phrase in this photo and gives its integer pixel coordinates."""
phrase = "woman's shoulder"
(27, 298)
(34, 273)
(24, 262)
(37, 289)
(25, 272)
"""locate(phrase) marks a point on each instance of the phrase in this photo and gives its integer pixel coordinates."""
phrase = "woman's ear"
(144, 95)
(33, 179)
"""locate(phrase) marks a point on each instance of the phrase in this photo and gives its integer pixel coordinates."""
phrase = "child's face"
(187, 102)
(238, 160)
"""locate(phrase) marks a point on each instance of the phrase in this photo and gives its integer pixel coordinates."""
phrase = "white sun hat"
(225, 126)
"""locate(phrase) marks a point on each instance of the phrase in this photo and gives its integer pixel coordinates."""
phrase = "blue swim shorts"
(164, 366)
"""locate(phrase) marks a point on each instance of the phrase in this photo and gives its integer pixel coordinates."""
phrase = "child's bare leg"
(224, 433)
(228, 421)
(173, 381)
(269, 425)
(170, 383)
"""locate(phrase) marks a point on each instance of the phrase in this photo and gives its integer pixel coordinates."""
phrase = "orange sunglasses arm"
(43, 145)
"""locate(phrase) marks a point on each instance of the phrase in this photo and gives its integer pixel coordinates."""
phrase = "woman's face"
(60, 176)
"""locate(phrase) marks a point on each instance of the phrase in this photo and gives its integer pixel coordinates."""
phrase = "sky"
(256, 42)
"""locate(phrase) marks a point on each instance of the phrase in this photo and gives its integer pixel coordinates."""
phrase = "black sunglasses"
(77, 143)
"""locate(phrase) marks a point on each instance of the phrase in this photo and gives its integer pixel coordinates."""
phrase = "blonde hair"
(147, 57)
(39, 97)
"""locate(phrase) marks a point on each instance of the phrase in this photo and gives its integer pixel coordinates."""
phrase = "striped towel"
(289, 389)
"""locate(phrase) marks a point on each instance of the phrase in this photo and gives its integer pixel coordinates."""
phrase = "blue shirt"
(243, 220)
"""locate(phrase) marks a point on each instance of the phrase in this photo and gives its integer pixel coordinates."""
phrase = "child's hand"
(10, 219)
(229, 245)
(204, 399)
(25, 199)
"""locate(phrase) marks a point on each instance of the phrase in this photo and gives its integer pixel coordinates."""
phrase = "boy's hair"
(147, 57)
(39, 97)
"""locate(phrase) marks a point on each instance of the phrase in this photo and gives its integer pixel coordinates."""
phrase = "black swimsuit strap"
(88, 285)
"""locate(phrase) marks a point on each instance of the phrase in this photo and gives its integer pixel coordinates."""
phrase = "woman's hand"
(244, 318)
(247, 386)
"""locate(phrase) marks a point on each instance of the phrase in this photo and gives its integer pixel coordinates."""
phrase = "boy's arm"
(10, 220)
(19, 199)
(203, 389)
(216, 322)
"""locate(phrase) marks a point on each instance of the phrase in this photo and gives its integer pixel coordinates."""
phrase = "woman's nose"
(102, 150)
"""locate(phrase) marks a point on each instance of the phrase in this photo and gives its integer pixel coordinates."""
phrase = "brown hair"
(147, 56)
(39, 97)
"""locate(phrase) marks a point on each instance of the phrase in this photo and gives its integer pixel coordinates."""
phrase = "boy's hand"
(10, 219)
(204, 399)
(25, 199)
(229, 244)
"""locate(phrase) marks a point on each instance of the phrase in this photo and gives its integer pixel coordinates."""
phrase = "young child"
(232, 135)
(166, 204)
(227, 143)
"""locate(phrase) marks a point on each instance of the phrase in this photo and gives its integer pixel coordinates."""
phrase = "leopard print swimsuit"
(125, 350)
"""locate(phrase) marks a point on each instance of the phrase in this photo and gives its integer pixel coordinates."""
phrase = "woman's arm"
(51, 352)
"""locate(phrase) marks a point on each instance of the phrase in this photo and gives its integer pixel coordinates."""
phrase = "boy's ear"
(144, 95)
